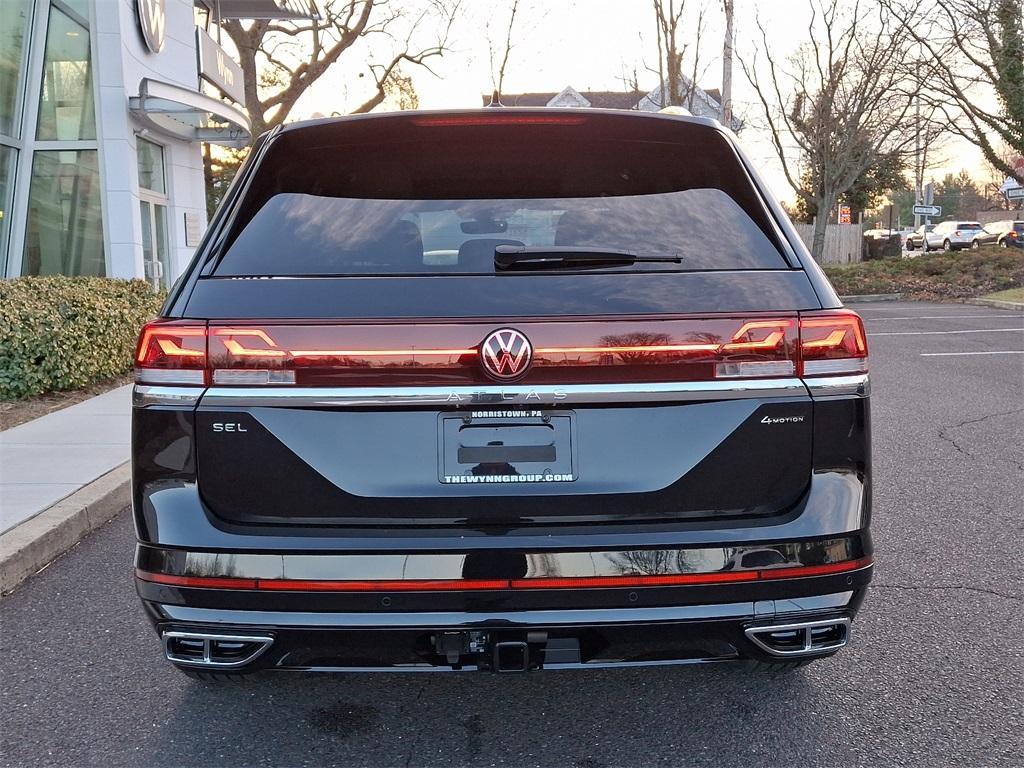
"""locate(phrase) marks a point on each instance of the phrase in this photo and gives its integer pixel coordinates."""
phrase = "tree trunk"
(820, 223)
(727, 66)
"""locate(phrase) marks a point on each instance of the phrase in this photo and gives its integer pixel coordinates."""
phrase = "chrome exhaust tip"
(803, 638)
(213, 651)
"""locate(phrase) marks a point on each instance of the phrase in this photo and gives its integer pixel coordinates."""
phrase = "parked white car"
(952, 235)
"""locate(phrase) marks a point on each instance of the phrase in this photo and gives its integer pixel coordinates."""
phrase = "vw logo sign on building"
(506, 354)
(152, 22)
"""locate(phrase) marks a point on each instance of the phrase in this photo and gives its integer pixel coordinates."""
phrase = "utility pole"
(918, 165)
(727, 65)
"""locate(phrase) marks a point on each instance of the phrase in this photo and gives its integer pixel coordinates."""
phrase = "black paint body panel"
(502, 296)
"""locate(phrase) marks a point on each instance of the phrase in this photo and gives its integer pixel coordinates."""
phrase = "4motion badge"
(782, 419)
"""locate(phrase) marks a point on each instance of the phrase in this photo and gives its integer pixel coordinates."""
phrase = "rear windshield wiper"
(525, 257)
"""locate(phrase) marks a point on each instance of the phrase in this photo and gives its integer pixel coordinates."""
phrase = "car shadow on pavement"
(586, 718)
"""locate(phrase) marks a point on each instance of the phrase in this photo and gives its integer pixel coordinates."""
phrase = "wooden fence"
(844, 243)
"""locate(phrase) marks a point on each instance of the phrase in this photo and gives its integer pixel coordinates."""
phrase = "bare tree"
(995, 178)
(841, 101)
(498, 74)
(676, 43)
(280, 60)
(727, 49)
(973, 68)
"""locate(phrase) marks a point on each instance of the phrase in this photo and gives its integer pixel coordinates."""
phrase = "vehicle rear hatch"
(350, 315)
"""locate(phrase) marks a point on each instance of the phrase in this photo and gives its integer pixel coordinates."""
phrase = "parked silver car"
(952, 235)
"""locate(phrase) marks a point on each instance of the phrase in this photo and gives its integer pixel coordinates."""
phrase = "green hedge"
(938, 275)
(68, 332)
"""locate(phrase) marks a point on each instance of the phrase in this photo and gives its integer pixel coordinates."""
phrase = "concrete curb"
(29, 546)
(997, 303)
(872, 297)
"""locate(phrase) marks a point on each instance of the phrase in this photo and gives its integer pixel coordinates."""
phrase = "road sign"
(927, 210)
(844, 214)
(1015, 193)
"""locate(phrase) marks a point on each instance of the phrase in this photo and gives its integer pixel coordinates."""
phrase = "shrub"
(956, 275)
(68, 332)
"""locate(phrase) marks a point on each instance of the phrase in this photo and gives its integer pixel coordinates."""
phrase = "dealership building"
(104, 109)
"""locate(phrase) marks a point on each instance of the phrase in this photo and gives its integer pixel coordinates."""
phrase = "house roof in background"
(597, 99)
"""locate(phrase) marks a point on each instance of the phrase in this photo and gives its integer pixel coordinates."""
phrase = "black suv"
(489, 390)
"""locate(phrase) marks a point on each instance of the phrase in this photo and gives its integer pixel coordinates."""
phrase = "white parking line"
(957, 354)
(934, 317)
(945, 333)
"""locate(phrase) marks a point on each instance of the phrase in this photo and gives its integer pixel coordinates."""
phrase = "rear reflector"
(468, 585)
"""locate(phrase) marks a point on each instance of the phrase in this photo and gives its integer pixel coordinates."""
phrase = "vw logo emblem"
(152, 23)
(505, 354)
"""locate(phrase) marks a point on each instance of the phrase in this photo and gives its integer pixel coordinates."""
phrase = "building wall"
(123, 61)
(118, 60)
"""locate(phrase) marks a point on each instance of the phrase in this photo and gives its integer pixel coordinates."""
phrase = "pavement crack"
(945, 430)
(948, 587)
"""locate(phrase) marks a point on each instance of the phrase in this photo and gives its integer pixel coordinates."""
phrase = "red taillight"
(171, 352)
(468, 585)
(236, 354)
(832, 342)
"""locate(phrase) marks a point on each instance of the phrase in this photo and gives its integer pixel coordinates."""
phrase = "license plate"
(507, 447)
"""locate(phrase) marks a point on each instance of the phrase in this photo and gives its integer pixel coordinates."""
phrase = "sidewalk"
(49, 458)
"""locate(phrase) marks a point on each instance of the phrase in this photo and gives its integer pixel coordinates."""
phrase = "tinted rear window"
(1018, 226)
(338, 199)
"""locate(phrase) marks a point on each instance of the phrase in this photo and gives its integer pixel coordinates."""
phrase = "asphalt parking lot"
(934, 675)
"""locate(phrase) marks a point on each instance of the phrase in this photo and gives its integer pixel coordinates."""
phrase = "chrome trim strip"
(604, 664)
(434, 620)
(858, 385)
(809, 648)
(567, 394)
(144, 395)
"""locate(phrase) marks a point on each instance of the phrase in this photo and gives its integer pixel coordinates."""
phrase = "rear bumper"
(553, 628)
(552, 639)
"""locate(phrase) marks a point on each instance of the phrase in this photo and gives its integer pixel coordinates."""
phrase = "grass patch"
(1013, 294)
(956, 275)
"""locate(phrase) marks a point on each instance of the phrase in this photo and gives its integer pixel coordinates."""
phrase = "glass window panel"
(8, 157)
(66, 111)
(160, 241)
(13, 32)
(81, 7)
(64, 230)
(151, 166)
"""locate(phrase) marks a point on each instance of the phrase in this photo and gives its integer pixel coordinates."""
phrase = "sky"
(595, 45)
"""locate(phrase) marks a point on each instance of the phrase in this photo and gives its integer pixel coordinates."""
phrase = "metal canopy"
(184, 114)
(261, 9)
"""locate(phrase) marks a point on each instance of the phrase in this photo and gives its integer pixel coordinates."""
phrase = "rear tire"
(213, 677)
(1002, 244)
(947, 246)
(910, 245)
(975, 245)
(776, 668)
